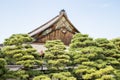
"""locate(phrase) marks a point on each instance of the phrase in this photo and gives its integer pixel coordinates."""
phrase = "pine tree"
(17, 47)
(89, 59)
(57, 61)
(18, 51)
(111, 53)
(56, 57)
(3, 68)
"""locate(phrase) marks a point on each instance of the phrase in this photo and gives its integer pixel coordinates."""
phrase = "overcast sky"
(98, 18)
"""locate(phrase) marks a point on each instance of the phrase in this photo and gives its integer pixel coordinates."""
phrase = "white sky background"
(98, 18)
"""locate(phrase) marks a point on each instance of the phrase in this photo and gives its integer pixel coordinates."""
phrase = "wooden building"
(58, 28)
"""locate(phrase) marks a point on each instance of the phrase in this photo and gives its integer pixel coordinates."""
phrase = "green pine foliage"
(3, 68)
(21, 75)
(111, 53)
(88, 59)
(116, 41)
(18, 51)
(84, 59)
(62, 76)
(57, 61)
(56, 76)
(18, 39)
(42, 77)
(55, 56)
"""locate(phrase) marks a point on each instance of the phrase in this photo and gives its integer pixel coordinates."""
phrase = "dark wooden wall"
(60, 34)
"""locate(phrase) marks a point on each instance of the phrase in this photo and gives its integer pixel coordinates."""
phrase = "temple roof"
(51, 22)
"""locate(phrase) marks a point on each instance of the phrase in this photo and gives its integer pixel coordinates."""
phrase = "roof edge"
(42, 25)
(61, 13)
